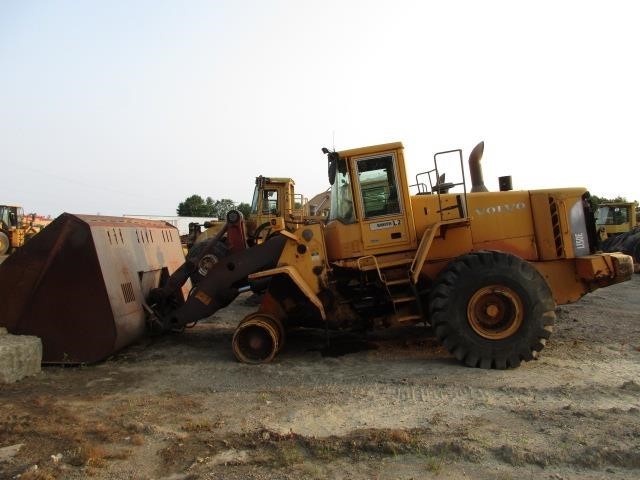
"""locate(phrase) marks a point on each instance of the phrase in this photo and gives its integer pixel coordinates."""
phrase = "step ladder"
(402, 294)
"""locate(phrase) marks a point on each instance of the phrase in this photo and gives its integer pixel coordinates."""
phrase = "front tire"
(258, 338)
(492, 310)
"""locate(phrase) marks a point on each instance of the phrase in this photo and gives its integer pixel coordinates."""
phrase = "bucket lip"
(108, 221)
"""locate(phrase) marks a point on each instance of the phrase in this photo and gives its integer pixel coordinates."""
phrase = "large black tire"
(627, 242)
(492, 310)
(4, 243)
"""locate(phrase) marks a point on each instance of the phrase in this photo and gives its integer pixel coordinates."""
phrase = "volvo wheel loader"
(484, 269)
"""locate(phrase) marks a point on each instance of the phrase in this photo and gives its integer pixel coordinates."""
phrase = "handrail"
(375, 262)
(425, 246)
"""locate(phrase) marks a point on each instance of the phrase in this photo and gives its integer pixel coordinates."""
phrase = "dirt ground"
(397, 407)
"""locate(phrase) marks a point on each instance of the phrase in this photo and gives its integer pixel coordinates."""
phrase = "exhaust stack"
(477, 180)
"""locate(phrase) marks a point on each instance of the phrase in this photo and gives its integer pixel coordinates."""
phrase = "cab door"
(381, 203)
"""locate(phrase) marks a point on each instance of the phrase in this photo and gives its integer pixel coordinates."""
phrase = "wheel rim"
(495, 312)
(258, 338)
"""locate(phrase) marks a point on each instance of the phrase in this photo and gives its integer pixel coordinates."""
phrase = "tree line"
(196, 206)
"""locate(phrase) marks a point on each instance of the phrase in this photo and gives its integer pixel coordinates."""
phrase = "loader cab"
(11, 216)
(12, 233)
(616, 217)
(370, 206)
(274, 198)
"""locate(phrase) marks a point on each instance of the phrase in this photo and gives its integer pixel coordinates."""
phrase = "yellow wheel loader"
(274, 206)
(617, 224)
(484, 269)
(15, 229)
(274, 198)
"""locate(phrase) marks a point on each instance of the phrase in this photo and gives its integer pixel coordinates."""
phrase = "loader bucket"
(81, 282)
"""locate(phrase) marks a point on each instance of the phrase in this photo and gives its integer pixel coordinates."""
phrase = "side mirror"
(332, 158)
(332, 172)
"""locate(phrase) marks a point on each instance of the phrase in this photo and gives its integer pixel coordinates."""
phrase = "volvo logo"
(506, 208)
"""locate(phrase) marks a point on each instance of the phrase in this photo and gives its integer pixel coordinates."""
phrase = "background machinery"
(274, 202)
(15, 228)
(274, 207)
(615, 218)
(274, 198)
(617, 224)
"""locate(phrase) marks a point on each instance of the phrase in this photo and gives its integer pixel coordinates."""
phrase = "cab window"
(379, 186)
(254, 201)
(612, 215)
(270, 202)
(341, 207)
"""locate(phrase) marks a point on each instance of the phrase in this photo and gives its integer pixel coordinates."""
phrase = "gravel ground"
(393, 405)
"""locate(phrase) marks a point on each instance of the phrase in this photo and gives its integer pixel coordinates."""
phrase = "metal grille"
(555, 223)
(127, 292)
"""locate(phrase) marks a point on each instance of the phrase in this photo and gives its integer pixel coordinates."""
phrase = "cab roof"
(371, 149)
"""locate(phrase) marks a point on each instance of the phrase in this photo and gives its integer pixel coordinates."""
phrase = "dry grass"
(433, 464)
(38, 475)
(118, 455)
(86, 455)
(137, 440)
(400, 436)
(201, 426)
(288, 453)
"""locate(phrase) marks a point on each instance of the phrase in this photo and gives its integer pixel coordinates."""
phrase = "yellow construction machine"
(617, 224)
(274, 198)
(274, 205)
(614, 218)
(484, 269)
(15, 228)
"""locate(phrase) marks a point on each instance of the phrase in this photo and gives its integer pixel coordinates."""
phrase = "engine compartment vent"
(557, 230)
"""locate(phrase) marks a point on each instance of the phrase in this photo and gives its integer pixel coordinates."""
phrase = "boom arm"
(219, 287)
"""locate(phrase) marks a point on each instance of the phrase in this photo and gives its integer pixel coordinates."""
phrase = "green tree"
(596, 199)
(196, 206)
(221, 207)
(244, 208)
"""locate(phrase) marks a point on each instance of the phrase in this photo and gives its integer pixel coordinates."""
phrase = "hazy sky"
(131, 106)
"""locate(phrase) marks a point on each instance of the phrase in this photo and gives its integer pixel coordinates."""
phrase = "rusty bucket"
(81, 282)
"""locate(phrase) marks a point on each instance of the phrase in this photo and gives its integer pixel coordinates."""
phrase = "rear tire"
(492, 310)
(4, 243)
